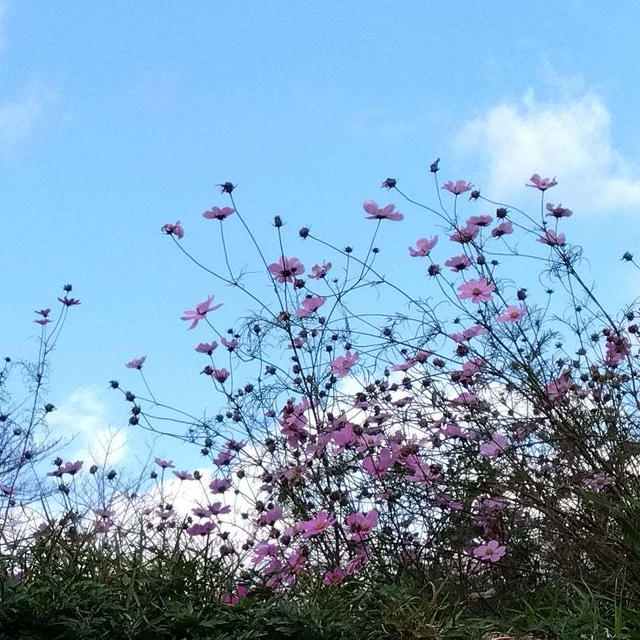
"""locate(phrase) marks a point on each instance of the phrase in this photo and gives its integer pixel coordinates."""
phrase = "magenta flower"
(201, 310)
(342, 364)
(183, 475)
(174, 229)
(359, 524)
(286, 269)
(220, 375)
(379, 466)
(42, 321)
(207, 347)
(457, 187)
(165, 464)
(136, 363)
(322, 521)
(512, 313)
(458, 263)
(309, 305)
(491, 551)
(218, 213)
(502, 229)
(478, 290)
(552, 238)
(43, 312)
(320, 271)
(541, 183)
(558, 211)
(388, 212)
(334, 576)
(423, 246)
(232, 597)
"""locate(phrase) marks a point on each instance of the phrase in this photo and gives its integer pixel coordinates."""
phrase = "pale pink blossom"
(477, 290)
(552, 238)
(457, 187)
(320, 271)
(541, 183)
(201, 310)
(512, 313)
(374, 212)
(218, 213)
(342, 364)
(423, 246)
(490, 551)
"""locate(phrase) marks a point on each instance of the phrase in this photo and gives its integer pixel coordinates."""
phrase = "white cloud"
(567, 138)
(83, 417)
(20, 117)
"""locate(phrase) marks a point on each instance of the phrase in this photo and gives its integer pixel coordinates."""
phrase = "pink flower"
(68, 467)
(378, 467)
(201, 310)
(320, 271)
(494, 447)
(207, 347)
(552, 238)
(69, 302)
(43, 312)
(42, 321)
(230, 345)
(491, 551)
(201, 529)
(458, 263)
(270, 516)
(478, 290)
(480, 221)
(218, 213)
(183, 475)
(165, 464)
(217, 508)
(387, 212)
(286, 269)
(342, 364)
(334, 576)
(541, 183)
(173, 229)
(232, 597)
(220, 375)
(219, 485)
(617, 348)
(320, 523)
(423, 246)
(502, 229)
(558, 211)
(136, 363)
(457, 187)
(512, 313)
(309, 305)
(359, 524)
(465, 234)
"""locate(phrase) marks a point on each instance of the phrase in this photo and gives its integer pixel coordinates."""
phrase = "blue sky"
(117, 117)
